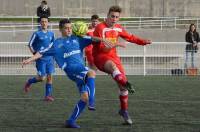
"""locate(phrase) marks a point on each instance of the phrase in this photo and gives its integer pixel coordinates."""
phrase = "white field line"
(154, 101)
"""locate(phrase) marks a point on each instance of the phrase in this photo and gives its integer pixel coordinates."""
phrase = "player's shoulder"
(74, 36)
(117, 25)
(86, 37)
(80, 38)
(90, 32)
(36, 32)
(101, 25)
(58, 41)
(50, 32)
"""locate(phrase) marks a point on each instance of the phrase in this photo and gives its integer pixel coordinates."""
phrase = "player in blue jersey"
(40, 40)
(68, 53)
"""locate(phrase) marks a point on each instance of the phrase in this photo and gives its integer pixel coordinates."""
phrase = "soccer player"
(40, 40)
(88, 53)
(88, 50)
(68, 53)
(109, 62)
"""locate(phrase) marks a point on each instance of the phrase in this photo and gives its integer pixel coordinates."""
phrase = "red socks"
(123, 100)
(120, 79)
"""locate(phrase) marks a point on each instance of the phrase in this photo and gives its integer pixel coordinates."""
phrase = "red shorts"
(88, 54)
(101, 59)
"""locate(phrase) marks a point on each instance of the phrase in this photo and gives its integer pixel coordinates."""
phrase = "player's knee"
(123, 92)
(110, 66)
(84, 96)
(49, 79)
(91, 73)
(41, 78)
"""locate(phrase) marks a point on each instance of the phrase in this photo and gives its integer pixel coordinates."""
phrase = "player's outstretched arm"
(31, 50)
(114, 45)
(120, 44)
(108, 44)
(31, 59)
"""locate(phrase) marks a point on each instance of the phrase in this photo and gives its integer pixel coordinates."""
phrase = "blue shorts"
(45, 67)
(79, 76)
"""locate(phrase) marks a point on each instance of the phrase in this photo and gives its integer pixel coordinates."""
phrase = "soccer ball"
(80, 28)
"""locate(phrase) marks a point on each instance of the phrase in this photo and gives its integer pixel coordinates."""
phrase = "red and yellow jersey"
(90, 32)
(89, 47)
(112, 34)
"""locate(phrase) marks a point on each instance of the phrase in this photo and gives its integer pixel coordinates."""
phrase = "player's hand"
(194, 45)
(148, 41)
(25, 62)
(108, 44)
(120, 44)
(111, 45)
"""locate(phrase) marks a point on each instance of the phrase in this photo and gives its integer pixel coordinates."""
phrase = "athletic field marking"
(155, 101)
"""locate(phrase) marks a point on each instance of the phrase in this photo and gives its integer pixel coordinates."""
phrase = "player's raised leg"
(78, 109)
(31, 81)
(90, 81)
(41, 71)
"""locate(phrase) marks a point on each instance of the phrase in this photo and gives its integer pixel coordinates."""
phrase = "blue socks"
(48, 89)
(32, 80)
(91, 91)
(48, 86)
(77, 111)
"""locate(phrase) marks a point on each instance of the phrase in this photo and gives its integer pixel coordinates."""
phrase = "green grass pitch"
(160, 104)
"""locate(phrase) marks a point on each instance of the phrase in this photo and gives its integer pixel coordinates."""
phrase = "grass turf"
(160, 104)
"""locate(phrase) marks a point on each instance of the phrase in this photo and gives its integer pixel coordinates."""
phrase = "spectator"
(192, 38)
(43, 11)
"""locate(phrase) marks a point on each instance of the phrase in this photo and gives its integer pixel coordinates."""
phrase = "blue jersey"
(41, 40)
(68, 52)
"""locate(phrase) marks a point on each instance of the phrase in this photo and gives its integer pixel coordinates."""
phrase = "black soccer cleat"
(129, 87)
(91, 108)
(69, 124)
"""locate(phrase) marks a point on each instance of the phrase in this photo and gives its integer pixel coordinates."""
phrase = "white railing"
(128, 22)
(159, 58)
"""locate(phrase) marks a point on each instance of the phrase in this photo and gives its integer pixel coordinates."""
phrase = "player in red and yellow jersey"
(109, 62)
(88, 50)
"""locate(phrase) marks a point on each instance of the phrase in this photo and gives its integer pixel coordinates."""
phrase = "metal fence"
(127, 22)
(159, 58)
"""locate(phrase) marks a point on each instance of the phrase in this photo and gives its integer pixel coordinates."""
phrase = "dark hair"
(93, 17)
(115, 8)
(191, 27)
(62, 22)
(44, 17)
(44, 2)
